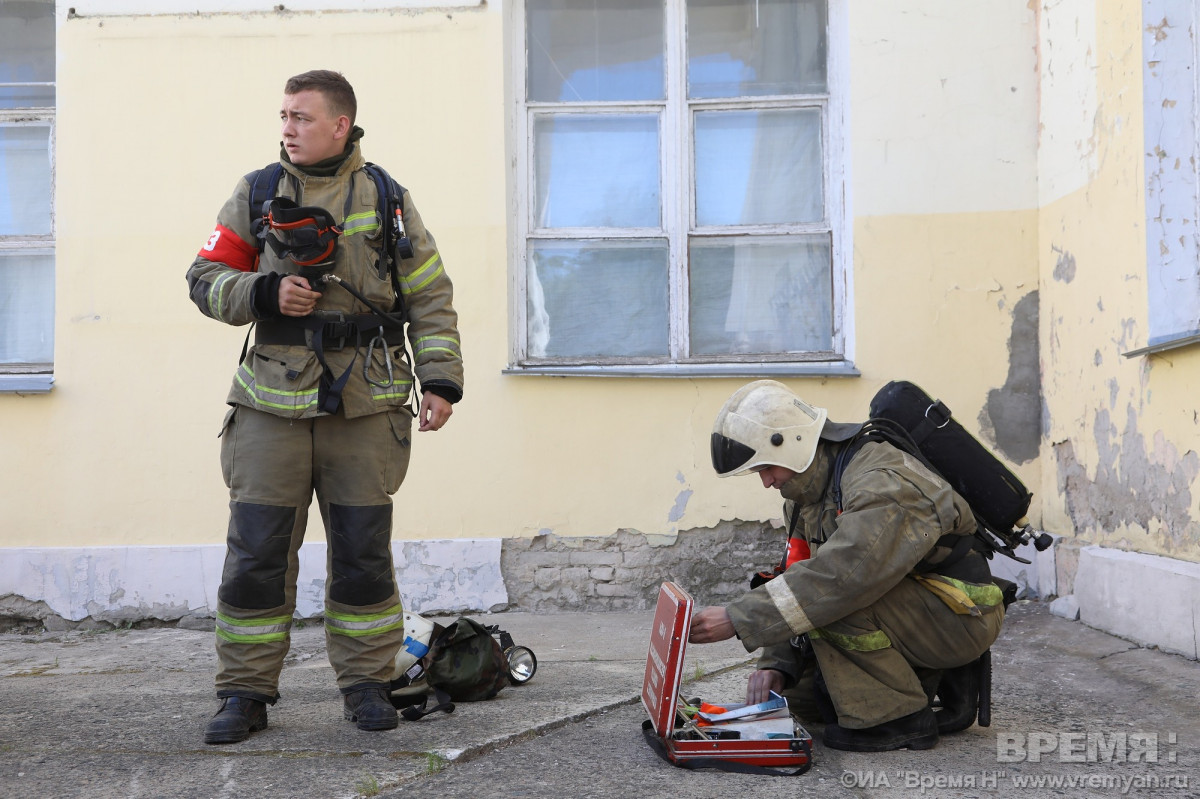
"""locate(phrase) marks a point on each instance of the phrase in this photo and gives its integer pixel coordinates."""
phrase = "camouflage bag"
(465, 664)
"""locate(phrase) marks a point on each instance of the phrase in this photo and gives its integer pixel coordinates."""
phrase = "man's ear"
(342, 129)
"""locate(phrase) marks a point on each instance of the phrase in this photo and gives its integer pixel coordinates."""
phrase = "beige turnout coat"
(282, 379)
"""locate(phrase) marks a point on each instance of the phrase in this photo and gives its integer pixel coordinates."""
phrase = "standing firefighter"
(323, 399)
(887, 604)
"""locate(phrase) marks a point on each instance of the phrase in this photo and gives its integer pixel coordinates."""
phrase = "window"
(679, 189)
(27, 100)
(1171, 112)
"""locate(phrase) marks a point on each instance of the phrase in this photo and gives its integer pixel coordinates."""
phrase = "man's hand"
(434, 411)
(710, 625)
(761, 683)
(295, 296)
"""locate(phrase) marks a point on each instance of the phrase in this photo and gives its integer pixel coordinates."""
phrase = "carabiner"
(387, 359)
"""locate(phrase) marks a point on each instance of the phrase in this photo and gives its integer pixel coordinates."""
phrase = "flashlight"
(522, 663)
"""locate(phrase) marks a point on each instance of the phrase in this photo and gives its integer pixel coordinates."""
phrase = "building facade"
(642, 205)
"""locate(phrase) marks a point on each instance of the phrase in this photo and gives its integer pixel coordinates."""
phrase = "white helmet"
(418, 631)
(765, 424)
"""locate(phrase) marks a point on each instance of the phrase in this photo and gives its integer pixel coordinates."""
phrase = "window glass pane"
(596, 170)
(587, 51)
(588, 298)
(24, 180)
(26, 53)
(26, 308)
(764, 295)
(751, 48)
(759, 167)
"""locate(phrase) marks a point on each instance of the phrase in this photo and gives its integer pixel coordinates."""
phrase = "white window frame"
(31, 378)
(1171, 126)
(678, 208)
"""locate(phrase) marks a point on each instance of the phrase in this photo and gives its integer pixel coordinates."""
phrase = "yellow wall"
(1120, 466)
(159, 117)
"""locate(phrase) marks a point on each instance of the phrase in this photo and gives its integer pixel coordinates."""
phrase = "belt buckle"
(336, 330)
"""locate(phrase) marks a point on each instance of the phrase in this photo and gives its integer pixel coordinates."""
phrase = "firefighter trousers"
(883, 662)
(273, 466)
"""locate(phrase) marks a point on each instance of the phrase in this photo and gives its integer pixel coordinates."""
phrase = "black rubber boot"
(235, 720)
(914, 731)
(958, 695)
(370, 707)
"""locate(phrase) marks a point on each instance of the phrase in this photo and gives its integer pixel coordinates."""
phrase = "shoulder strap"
(887, 431)
(263, 185)
(395, 239)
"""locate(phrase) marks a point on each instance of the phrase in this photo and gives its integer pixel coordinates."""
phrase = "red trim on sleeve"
(228, 248)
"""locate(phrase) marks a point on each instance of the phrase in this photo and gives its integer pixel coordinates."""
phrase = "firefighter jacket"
(229, 276)
(895, 511)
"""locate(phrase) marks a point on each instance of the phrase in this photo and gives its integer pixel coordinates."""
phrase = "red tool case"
(660, 695)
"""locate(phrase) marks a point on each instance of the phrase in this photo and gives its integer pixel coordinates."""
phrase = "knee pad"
(257, 558)
(360, 541)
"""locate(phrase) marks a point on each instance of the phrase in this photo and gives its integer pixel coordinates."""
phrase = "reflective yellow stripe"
(424, 350)
(240, 638)
(867, 642)
(987, 594)
(423, 339)
(358, 625)
(435, 260)
(401, 391)
(365, 222)
(216, 295)
(252, 631)
(262, 395)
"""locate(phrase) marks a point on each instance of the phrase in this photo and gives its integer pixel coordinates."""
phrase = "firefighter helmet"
(765, 424)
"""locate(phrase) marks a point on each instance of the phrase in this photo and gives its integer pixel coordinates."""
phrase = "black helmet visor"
(729, 455)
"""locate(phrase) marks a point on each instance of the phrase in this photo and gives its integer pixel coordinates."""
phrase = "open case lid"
(664, 661)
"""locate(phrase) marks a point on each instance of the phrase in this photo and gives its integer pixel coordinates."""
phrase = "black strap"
(263, 185)
(720, 764)
(293, 330)
(960, 546)
(412, 709)
(936, 417)
(395, 240)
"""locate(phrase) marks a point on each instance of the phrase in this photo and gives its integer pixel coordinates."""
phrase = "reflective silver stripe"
(216, 296)
(788, 606)
(423, 275)
(366, 624)
(252, 630)
(399, 389)
(366, 222)
(430, 344)
(274, 398)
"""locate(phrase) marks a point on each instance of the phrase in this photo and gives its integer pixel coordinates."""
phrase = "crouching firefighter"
(894, 606)
(322, 400)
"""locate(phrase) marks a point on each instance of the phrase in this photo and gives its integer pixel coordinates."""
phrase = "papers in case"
(762, 735)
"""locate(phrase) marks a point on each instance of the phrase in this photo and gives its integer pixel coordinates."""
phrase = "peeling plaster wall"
(1012, 417)
(1121, 465)
(123, 453)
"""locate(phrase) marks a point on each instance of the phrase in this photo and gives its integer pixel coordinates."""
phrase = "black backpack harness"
(308, 237)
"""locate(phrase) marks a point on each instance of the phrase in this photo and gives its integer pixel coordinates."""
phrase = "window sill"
(26, 384)
(1163, 344)
(751, 370)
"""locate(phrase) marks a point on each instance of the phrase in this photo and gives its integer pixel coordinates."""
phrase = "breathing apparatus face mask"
(304, 234)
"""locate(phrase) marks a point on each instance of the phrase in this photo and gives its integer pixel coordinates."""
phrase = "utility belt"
(325, 331)
(328, 330)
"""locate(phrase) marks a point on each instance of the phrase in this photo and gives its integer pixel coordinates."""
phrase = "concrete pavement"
(1076, 712)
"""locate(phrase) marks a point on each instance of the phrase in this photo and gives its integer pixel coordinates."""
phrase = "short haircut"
(333, 86)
